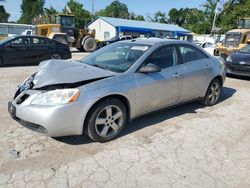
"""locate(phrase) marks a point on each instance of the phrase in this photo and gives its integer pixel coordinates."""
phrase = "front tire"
(213, 93)
(56, 56)
(80, 49)
(90, 44)
(106, 120)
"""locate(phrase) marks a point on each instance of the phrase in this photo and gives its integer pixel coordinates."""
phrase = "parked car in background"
(209, 47)
(99, 94)
(238, 63)
(31, 50)
(116, 39)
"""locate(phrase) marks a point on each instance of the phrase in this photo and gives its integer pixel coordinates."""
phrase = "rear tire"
(106, 120)
(213, 93)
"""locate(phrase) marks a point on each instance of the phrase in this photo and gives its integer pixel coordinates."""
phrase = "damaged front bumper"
(29, 125)
(60, 120)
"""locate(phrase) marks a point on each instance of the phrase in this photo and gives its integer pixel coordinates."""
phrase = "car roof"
(153, 41)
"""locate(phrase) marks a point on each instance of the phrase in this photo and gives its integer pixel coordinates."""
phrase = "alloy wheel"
(109, 121)
(213, 93)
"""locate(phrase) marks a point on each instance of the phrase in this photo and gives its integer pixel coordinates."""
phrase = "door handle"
(176, 75)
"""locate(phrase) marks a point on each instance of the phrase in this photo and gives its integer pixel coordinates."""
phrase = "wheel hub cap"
(109, 121)
(214, 93)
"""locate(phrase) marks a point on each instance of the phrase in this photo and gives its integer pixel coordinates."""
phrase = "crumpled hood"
(53, 72)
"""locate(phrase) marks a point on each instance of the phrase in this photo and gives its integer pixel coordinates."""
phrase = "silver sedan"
(99, 94)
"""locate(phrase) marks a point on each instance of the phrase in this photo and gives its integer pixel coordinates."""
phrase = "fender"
(84, 39)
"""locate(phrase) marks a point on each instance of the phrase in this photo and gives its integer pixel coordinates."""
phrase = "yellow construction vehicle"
(235, 39)
(62, 28)
(52, 31)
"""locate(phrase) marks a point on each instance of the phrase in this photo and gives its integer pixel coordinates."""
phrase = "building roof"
(17, 25)
(118, 22)
(153, 41)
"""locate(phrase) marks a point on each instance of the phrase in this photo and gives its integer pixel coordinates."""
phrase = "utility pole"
(93, 9)
(214, 21)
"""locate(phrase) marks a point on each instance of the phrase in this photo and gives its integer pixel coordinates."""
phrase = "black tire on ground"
(106, 120)
(80, 48)
(61, 39)
(213, 93)
(56, 56)
(90, 44)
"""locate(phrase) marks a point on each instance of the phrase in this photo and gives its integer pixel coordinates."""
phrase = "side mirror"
(149, 68)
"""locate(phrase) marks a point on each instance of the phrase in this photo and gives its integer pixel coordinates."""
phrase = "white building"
(107, 28)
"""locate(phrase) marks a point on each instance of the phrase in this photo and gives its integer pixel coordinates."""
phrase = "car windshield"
(117, 57)
(5, 40)
(245, 50)
(233, 38)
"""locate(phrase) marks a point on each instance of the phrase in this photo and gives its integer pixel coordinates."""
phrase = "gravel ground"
(187, 146)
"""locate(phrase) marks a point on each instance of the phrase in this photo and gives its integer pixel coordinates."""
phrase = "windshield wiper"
(100, 66)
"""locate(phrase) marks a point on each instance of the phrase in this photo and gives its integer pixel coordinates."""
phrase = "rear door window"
(190, 53)
(164, 57)
(39, 41)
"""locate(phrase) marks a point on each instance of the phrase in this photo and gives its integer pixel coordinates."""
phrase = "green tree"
(82, 16)
(31, 9)
(50, 11)
(177, 17)
(174, 16)
(231, 13)
(116, 10)
(133, 16)
(192, 19)
(4, 16)
(48, 16)
(160, 17)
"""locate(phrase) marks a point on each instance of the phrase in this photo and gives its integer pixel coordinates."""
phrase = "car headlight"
(56, 97)
(28, 83)
(229, 59)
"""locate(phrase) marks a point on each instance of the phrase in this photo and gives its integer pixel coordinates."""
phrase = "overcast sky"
(137, 6)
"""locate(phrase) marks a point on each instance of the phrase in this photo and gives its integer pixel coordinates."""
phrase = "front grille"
(22, 98)
(231, 44)
(239, 67)
(238, 70)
